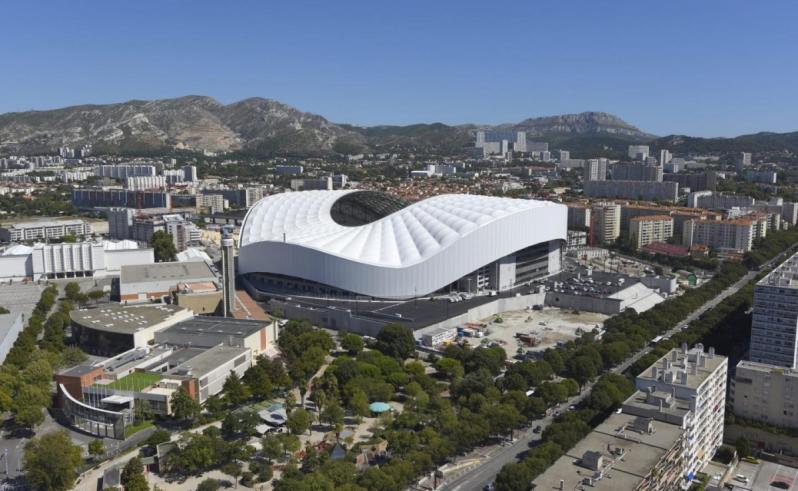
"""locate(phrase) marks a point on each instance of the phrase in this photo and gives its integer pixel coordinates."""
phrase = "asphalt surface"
(477, 476)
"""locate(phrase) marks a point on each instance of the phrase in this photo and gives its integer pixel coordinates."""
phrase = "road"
(484, 472)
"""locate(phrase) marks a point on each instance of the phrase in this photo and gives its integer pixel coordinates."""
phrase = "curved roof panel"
(395, 237)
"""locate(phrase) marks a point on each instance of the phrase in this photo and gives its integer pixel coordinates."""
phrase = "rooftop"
(126, 319)
(208, 360)
(177, 271)
(784, 276)
(765, 368)
(217, 325)
(652, 218)
(45, 223)
(625, 447)
(683, 367)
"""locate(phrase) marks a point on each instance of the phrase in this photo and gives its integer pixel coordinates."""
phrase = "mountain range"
(265, 127)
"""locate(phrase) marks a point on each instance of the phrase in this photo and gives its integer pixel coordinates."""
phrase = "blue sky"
(705, 68)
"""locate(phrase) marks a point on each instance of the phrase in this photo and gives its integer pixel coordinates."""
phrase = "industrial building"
(70, 260)
(44, 230)
(192, 284)
(113, 329)
(345, 243)
(604, 293)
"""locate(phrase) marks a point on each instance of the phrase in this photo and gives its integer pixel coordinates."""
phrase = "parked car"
(537, 429)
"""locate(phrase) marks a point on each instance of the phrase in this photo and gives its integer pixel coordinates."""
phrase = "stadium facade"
(367, 243)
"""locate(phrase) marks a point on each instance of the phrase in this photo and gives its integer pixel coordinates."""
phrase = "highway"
(495, 457)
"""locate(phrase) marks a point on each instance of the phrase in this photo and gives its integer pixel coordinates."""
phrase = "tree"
(333, 414)
(96, 295)
(163, 246)
(234, 391)
(51, 462)
(397, 341)
(272, 448)
(289, 442)
(133, 476)
(352, 343)
(359, 403)
(513, 477)
(298, 421)
(72, 291)
(232, 469)
(96, 448)
(184, 406)
(240, 423)
(724, 454)
(450, 367)
(159, 436)
(208, 485)
(743, 447)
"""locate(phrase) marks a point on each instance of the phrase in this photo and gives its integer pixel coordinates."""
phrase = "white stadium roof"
(297, 224)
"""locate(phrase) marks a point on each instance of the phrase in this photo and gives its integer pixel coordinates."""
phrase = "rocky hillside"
(263, 127)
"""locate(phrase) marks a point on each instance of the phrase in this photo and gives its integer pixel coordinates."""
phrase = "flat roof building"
(625, 452)
(699, 377)
(774, 325)
(766, 393)
(645, 230)
(44, 230)
(146, 282)
(113, 329)
(206, 331)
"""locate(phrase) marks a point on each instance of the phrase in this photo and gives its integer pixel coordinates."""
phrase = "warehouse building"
(113, 329)
(70, 260)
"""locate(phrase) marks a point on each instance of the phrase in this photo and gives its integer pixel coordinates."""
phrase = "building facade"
(45, 230)
(700, 379)
(605, 223)
(648, 229)
(635, 190)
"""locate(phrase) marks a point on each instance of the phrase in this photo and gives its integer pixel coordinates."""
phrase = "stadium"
(344, 244)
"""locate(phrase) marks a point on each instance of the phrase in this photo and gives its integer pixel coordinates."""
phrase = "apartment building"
(624, 452)
(595, 170)
(699, 380)
(695, 182)
(766, 393)
(44, 230)
(714, 201)
(638, 152)
(636, 172)
(605, 222)
(578, 216)
(635, 190)
(647, 229)
(775, 317)
(725, 235)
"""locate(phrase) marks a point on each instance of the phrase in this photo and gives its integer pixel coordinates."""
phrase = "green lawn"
(135, 428)
(136, 381)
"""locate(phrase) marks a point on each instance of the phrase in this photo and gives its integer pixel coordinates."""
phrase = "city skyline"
(702, 71)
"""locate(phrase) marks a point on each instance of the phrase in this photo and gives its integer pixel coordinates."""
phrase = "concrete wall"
(608, 306)
(15, 323)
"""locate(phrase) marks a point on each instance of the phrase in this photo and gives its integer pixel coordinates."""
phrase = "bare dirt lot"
(547, 326)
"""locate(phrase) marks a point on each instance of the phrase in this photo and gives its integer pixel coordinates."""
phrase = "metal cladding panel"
(414, 251)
